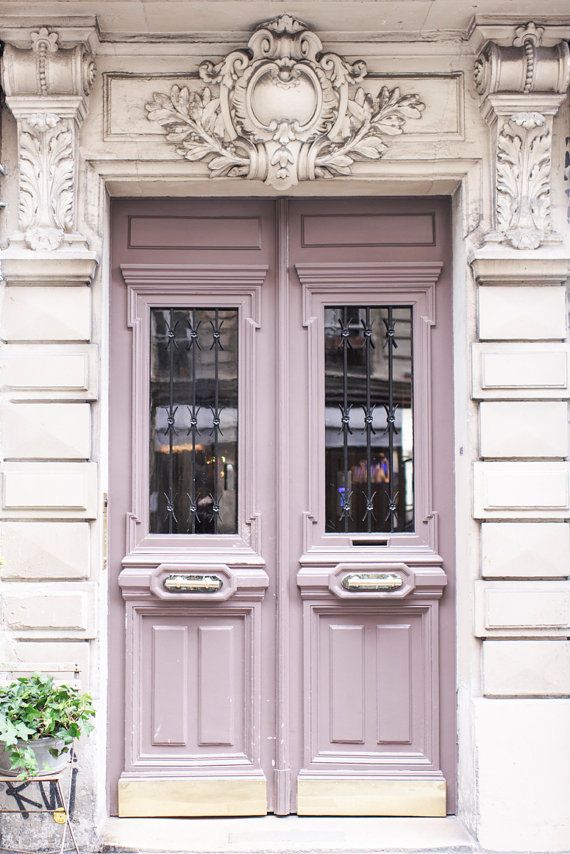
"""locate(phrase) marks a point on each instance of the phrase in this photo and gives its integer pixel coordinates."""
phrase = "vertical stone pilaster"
(49, 498)
(522, 479)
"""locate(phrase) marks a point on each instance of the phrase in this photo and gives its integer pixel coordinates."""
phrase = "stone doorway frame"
(483, 271)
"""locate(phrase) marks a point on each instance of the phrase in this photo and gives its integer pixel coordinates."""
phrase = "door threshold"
(290, 833)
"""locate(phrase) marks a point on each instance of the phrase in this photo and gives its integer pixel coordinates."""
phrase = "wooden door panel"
(376, 664)
(192, 375)
(282, 687)
(370, 678)
(194, 691)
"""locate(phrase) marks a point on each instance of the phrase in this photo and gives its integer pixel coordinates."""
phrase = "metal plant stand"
(60, 811)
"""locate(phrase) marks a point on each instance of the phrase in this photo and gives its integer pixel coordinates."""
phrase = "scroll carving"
(523, 180)
(282, 111)
(46, 180)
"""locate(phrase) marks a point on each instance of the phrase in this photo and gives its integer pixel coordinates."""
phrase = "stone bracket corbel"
(522, 87)
(47, 86)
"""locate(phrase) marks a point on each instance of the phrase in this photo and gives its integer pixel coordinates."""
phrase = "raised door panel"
(373, 698)
(193, 689)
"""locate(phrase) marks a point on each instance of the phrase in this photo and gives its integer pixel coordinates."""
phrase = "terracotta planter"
(47, 764)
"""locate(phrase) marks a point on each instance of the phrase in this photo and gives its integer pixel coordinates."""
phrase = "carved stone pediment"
(282, 110)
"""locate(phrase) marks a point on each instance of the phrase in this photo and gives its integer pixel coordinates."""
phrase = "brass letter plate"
(358, 582)
(193, 583)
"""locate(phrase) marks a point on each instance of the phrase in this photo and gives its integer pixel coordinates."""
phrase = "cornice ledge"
(379, 272)
(193, 274)
(73, 30)
(64, 267)
(549, 265)
(47, 61)
(501, 29)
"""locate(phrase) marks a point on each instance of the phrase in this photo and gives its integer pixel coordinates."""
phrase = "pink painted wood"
(282, 673)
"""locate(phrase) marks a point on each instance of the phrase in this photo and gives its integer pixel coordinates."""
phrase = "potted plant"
(39, 721)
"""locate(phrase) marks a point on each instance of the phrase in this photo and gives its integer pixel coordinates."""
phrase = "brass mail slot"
(372, 581)
(193, 583)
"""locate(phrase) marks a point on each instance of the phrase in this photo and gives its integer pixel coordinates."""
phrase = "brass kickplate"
(363, 797)
(165, 798)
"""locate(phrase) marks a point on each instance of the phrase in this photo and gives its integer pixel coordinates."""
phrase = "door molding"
(401, 282)
(201, 285)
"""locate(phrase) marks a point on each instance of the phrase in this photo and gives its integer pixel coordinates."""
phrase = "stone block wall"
(514, 720)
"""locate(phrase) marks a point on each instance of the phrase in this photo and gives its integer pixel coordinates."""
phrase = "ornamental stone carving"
(522, 87)
(46, 88)
(523, 180)
(282, 110)
(47, 171)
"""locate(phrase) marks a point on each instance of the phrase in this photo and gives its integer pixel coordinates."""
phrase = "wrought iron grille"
(193, 420)
(369, 419)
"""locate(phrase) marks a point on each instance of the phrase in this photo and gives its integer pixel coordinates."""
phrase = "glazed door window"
(369, 435)
(193, 421)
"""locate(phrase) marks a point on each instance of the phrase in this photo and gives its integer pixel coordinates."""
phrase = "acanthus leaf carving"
(47, 75)
(523, 180)
(522, 86)
(282, 110)
(47, 172)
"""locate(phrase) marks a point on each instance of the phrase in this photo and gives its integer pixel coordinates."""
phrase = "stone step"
(275, 835)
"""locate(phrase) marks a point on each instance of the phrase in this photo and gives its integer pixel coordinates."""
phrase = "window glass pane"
(368, 419)
(193, 420)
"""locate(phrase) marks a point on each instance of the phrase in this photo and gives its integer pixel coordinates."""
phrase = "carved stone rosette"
(522, 86)
(282, 110)
(46, 88)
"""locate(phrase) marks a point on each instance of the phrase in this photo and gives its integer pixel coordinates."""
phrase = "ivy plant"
(34, 707)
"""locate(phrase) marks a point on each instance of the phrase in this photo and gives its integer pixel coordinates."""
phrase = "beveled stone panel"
(49, 490)
(57, 610)
(47, 314)
(511, 429)
(525, 549)
(44, 550)
(511, 490)
(522, 608)
(526, 668)
(520, 371)
(531, 313)
(51, 371)
(48, 431)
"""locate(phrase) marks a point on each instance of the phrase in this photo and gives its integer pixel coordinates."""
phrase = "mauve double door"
(281, 508)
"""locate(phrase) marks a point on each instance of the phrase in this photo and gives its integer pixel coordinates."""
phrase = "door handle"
(193, 583)
(357, 582)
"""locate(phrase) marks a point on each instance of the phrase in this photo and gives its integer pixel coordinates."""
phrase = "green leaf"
(33, 707)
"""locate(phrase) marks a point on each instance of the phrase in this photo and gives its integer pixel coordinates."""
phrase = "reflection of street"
(368, 418)
(194, 421)
(378, 470)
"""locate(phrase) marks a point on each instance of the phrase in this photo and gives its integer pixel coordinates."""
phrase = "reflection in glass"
(193, 420)
(368, 419)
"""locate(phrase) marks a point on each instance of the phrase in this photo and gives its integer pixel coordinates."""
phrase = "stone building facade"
(99, 101)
